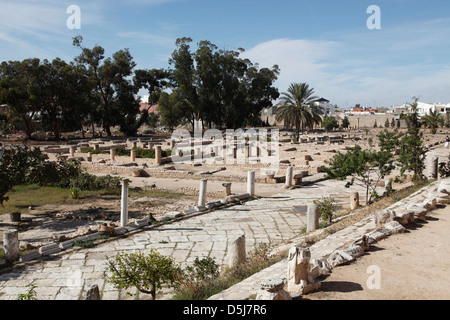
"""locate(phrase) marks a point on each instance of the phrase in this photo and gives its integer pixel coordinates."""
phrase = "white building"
(327, 107)
(424, 108)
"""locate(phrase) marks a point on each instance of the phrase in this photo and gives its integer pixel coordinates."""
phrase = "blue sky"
(324, 43)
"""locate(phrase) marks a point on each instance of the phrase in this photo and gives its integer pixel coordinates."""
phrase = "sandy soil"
(412, 266)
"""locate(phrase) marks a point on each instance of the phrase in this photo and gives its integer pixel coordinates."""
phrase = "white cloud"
(375, 69)
(300, 60)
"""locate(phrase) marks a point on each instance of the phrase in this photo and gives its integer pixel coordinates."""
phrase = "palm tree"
(297, 109)
(433, 120)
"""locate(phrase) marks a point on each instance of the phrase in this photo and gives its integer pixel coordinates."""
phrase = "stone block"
(200, 208)
(142, 222)
(120, 231)
(174, 214)
(394, 227)
(339, 257)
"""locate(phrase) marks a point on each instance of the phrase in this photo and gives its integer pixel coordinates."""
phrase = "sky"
(330, 44)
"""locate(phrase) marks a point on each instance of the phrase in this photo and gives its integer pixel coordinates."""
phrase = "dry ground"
(413, 266)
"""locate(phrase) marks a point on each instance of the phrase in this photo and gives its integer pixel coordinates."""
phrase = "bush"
(142, 153)
(87, 181)
(87, 150)
(326, 207)
(22, 165)
(194, 282)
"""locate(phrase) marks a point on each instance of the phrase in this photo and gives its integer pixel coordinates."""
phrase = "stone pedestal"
(272, 289)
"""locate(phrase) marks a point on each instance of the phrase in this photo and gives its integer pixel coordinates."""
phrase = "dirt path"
(413, 265)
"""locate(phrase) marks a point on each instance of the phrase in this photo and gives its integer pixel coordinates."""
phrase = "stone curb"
(338, 253)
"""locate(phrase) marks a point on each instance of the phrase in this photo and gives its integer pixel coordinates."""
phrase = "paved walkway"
(275, 220)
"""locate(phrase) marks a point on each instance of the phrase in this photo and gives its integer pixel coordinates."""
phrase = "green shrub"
(196, 280)
(327, 207)
(87, 150)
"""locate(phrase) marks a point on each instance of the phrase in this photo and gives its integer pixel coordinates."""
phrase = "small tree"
(386, 123)
(329, 123)
(146, 273)
(393, 123)
(366, 166)
(326, 207)
(345, 122)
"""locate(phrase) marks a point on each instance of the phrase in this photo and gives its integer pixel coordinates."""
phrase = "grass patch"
(154, 193)
(23, 196)
(87, 150)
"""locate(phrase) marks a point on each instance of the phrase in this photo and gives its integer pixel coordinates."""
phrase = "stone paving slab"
(266, 220)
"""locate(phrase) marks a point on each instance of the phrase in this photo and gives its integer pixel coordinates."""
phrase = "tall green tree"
(412, 152)
(297, 109)
(219, 87)
(113, 86)
(17, 79)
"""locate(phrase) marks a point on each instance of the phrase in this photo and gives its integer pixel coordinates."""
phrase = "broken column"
(299, 279)
(202, 192)
(251, 183)
(11, 245)
(288, 181)
(227, 186)
(354, 201)
(237, 253)
(432, 167)
(112, 154)
(72, 151)
(158, 155)
(312, 218)
(124, 203)
(133, 154)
